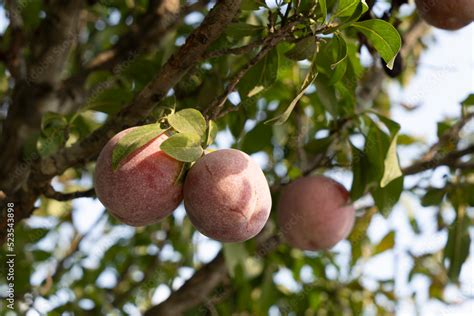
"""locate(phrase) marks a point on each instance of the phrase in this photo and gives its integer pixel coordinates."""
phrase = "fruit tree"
(233, 157)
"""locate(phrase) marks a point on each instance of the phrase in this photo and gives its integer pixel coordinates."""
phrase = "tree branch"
(436, 156)
(194, 291)
(197, 289)
(12, 55)
(175, 68)
(59, 196)
(145, 34)
(186, 57)
(215, 109)
(32, 96)
(73, 248)
(451, 160)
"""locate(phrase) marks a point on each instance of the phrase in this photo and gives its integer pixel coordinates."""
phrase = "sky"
(444, 77)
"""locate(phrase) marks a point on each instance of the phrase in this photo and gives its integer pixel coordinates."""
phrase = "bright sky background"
(444, 78)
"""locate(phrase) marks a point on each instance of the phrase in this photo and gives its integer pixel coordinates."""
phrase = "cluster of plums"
(226, 196)
(446, 14)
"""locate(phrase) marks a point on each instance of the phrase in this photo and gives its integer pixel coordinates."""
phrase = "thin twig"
(213, 111)
(59, 196)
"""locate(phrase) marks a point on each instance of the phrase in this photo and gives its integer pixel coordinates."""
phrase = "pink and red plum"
(226, 196)
(314, 213)
(144, 188)
(446, 14)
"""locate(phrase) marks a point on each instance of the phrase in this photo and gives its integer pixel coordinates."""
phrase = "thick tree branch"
(194, 291)
(32, 96)
(176, 67)
(145, 34)
(197, 290)
(186, 57)
(12, 55)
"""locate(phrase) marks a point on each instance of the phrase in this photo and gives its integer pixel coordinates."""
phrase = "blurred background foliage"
(74, 259)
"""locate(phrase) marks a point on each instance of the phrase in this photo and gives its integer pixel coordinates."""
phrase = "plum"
(145, 188)
(314, 213)
(448, 15)
(226, 196)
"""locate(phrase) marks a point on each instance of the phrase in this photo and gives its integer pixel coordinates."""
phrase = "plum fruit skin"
(226, 196)
(314, 213)
(446, 14)
(144, 188)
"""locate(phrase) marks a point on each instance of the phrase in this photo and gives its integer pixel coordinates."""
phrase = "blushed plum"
(226, 196)
(314, 213)
(444, 14)
(144, 188)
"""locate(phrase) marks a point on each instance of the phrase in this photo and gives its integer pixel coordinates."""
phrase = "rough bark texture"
(39, 87)
(23, 181)
(34, 93)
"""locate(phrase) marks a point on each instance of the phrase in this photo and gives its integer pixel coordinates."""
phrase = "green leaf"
(466, 190)
(385, 198)
(97, 77)
(236, 121)
(303, 49)
(381, 150)
(338, 66)
(257, 139)
(184, 147)
(133, 141)
(383, 36)
(109, 100)
(251, 5)
(235, 255)
(377, 144)
(269, 292)
(358, 236)
(283, 117)
(41, 255)
(36, 234)
(443, 126)
(238, 30)
(30, 12)
(404, 139)
(318, 145)
(54, 134)
(324, 9)
(392, 126)
(469, 101)
(52, 121)
(346, 8)
(388, 242)
(260, 76)
(211, 132)
(188, 121)
(391, 165)
(360, 179)
(361, 8)
(433, 197)
(326, 95)
(457, 247)
(341, 51)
